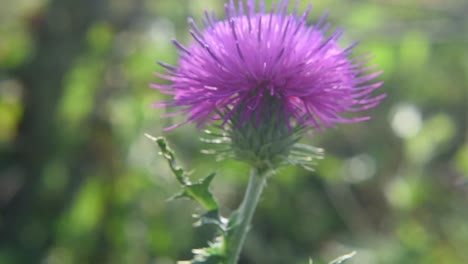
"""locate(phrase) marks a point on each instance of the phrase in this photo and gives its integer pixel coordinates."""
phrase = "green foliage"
(198, 191)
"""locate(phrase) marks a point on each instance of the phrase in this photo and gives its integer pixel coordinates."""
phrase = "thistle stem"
(245, 212)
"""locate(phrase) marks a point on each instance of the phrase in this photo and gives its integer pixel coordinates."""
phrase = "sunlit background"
(79, 182)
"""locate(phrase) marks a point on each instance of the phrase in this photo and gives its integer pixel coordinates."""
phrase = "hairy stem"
(245, 213)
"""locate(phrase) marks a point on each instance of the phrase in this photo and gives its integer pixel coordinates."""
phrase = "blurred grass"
(79, 182)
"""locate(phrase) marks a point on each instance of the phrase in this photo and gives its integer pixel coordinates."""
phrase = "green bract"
(265, 141)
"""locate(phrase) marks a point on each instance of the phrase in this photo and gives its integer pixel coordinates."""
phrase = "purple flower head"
(256, 58)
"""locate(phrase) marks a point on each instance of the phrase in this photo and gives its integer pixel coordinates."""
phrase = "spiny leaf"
(209, 255)
(180, 195)
(168, 154)
(198, 191)
(343, 258)
(213, 218)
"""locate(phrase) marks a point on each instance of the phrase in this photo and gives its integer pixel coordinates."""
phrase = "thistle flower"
(267, 72)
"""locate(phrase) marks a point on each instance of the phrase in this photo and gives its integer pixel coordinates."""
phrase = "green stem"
(245, 213)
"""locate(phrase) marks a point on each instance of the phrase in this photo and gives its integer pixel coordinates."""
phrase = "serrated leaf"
(343, 258)
(168, 154)
(180, 195)
(213, 218)
(210, 255)
(200, 192)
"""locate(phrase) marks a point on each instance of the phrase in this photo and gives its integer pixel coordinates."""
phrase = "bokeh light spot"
(359, 168)
(406, 121)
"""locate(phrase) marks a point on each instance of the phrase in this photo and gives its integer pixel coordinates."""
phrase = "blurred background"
(79, 182)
